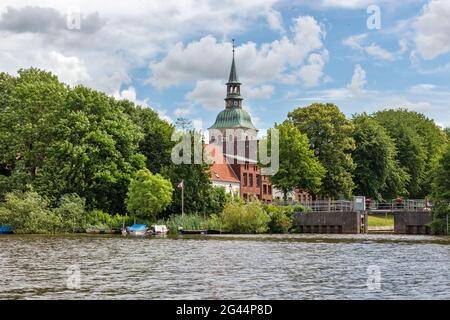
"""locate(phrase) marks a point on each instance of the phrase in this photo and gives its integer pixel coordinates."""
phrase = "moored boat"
(6, 230)
(137, 230)
(102, 231)
(159, 229)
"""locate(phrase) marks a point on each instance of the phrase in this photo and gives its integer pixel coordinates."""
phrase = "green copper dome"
(233, 118)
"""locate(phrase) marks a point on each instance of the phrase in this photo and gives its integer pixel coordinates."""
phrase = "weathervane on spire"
(232, 40)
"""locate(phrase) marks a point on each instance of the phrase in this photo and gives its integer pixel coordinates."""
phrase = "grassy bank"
(381, 220)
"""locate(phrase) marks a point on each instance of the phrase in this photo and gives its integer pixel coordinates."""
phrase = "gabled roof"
(220, 169)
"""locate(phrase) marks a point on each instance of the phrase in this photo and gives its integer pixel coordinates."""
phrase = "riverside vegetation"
(73, 158)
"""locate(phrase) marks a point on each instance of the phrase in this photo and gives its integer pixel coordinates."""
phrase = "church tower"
(234, 133)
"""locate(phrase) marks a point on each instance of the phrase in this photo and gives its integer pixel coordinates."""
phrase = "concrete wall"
(330, 222)
(412, 222)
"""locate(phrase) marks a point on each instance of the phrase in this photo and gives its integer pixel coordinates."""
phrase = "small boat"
(193, 231)
(6, 230)
(102, 231)
(138, 230)
(159, 229)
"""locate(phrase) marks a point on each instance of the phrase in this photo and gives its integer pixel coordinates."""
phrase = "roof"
(233, 118)
(233, 78)
(220, 169)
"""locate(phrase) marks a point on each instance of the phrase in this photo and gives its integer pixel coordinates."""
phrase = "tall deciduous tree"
(299, 168)
(148, 194)
(95, 153)
(31, 104)
(331, 137)
(156, 144)
(197, 185)
(377, 172)
(441, 192)
(419, 141)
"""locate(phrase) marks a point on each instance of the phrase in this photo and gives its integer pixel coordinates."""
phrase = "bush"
(189, 222)
(101, 219)
(148, 194)
(244, 218)
(440, 212)
(280, 218)
(71, 211)
(28, 212)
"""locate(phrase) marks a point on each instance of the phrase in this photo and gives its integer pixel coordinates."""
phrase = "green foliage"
(447, 132)
(280, 218)
(32, 103)
(197, 185)
(156, 144)
(72, 212)
(101, 219)
(440, 213)
(441, 192)
(217, 199)
(378, 172)
(418, 141)
(66, 140)
(148, 194)
(298, 166)
(381, 220)
(190, 222)
(244, 218)
(28, 212)
(331, 137)
(441, 183)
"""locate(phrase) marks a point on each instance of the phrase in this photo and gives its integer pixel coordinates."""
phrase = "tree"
(331, 137)
(447, 132)
(197, 185)
(148, 194)
(156, 144)
(65, 140)
(298, 167)
(377, 170)
(30, 105)
(96, 151)
(419, 141)
(441, 192)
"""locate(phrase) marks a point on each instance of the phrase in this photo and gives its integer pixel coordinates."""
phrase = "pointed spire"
(233, 74)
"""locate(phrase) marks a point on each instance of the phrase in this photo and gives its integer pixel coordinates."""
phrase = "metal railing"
(371, 206)
(399, 205)
(322, 205)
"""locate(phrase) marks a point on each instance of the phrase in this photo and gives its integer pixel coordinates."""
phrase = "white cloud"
(70, 70)
(422, 87)
(349, 4)
(259, 92)
(126, 94)
(377, 52)
(356, 86)
(312, 73)
(357, 42)
(182, 112)
(209, 59)
(208, 93)
(354, 41)
(432, 27)
(275, 20)
(113, 38)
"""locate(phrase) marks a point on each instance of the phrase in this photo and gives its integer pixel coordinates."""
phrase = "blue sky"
(175, 56)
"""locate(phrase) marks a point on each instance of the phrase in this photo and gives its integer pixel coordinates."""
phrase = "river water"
(225, 267)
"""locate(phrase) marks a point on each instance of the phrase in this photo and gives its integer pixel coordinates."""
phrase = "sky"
(175, 56)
